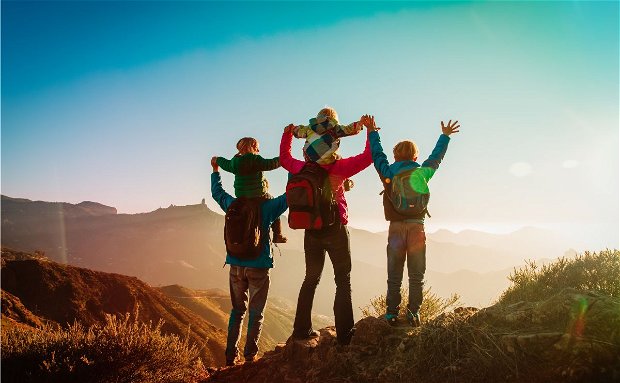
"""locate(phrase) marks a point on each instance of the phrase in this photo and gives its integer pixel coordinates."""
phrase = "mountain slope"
(63, 294)
(214, 305)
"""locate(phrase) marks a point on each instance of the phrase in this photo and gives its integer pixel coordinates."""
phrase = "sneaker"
(279, 238)
(413, 319)
(392, 319)
(309, 335)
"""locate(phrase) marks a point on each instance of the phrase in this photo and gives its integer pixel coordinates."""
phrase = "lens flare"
(578, 321)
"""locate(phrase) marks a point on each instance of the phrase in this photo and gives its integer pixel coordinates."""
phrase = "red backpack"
(310, 199)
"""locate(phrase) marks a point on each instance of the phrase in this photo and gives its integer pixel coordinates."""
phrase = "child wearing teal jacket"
(406, 237)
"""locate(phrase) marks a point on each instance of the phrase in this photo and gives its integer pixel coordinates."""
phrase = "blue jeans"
(406, 241)
(256, 282)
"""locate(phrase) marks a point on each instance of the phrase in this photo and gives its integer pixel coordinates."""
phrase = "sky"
(124, 103)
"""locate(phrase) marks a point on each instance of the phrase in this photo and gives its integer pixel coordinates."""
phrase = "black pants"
(335, 241)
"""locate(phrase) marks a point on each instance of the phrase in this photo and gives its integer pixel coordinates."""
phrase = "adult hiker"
(405, 201)
(328, 234)
(249, 255)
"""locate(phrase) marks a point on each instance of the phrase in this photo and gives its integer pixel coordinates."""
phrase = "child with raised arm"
(405, 201)
(250, 182)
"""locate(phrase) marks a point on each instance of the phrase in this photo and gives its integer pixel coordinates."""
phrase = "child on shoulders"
(323, 136)
(250, 182)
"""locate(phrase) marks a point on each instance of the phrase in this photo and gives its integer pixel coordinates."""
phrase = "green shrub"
(432, 305)
(598, 272)
(121, 350)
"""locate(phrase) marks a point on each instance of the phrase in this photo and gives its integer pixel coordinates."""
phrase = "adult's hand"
(216, 168)
(369, 122)
(289, 128)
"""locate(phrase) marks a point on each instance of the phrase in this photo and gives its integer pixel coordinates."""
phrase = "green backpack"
(408, 193)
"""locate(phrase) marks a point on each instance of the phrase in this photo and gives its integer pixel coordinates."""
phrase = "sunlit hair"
(328, 112)
(247, 145)
(405, 150)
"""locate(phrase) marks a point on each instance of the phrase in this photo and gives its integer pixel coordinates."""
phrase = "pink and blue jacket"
(338, 171)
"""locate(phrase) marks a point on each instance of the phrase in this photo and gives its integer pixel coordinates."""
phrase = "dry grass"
(462, 345)
(120, 350)
(590, 271)
(432, 305)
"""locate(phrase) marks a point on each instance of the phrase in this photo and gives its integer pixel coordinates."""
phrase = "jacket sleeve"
(287, 161)
(436, 156)
(275, 207)
(378, 156)
(218, 193)
(225, 164)
(301, 131)
(348, 130)
(265, 164)
(348, 167)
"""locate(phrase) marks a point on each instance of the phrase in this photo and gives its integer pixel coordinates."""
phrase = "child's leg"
(396, 255)
(416, 265)
(276, 226)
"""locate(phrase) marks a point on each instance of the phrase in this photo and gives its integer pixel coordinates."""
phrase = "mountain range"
(184, 245)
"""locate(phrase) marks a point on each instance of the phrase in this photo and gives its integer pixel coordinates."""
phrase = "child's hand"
(364, 120)
(452, 127)
(216, 168)
(289, 128)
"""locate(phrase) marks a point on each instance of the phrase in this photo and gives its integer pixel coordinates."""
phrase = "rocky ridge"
(572, 336)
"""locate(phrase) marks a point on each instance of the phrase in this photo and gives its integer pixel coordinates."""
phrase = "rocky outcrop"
(571, 336)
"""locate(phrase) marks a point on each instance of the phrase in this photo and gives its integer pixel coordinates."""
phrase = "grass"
(120, 350)
(432, 305)
(590, 271)
(467, 345)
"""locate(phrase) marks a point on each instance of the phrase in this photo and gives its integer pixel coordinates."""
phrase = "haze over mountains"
(184, 245)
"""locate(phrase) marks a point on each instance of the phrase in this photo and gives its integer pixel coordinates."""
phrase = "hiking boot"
(346, 340)
(251, 359)
(413, 319)
(279, 238)
(230, 362)
(309, 335)
(392, 319)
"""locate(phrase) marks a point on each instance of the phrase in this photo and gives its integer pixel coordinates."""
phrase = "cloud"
(520, 169)
(569, 164)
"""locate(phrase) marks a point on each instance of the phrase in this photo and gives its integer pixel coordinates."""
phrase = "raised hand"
(289, 128)
(214, 164)
(452, 127)
(369, 122)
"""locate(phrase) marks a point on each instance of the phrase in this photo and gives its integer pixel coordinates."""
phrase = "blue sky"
(125, 102)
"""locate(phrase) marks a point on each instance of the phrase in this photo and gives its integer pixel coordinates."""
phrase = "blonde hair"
(405, 150)
(328, 111)
(247, 145)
